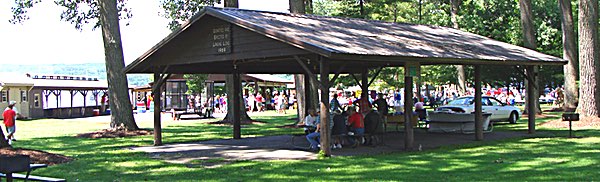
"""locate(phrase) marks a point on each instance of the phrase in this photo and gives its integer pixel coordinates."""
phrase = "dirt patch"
(37, 156)
(111, 133)
(243, 122)
(582, 123)
(288, 126)
(560, 109)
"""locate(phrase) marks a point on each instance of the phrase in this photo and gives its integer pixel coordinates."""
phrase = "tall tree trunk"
(300, 96)
(569, 53)
(460, 69)
(589, 54)
(529, 42)
(231, 4)
(230, 92)
(229, 85)
(298, 7)
(120, 105)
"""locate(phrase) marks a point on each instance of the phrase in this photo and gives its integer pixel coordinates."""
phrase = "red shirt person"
(356, 121)
(9, 121)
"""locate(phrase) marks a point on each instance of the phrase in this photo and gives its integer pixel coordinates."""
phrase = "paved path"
(281, 148)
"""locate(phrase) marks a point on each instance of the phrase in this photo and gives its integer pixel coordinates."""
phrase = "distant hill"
(97, 70)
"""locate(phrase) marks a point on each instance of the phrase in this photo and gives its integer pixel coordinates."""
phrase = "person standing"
(335, 104)
(251, 101)
(10, 117)
(381, 104)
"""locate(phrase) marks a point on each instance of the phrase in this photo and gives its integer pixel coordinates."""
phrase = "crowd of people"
(353, 112)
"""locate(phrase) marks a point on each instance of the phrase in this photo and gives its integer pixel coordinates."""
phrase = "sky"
(45, 39)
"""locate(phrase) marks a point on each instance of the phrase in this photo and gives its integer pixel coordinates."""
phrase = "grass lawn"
(549, 156)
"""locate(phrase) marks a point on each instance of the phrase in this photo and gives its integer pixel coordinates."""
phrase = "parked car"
(500, 111)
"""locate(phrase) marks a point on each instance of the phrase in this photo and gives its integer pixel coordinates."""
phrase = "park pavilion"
(235, 41)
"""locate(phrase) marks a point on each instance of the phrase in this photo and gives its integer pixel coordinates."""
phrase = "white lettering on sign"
(221, 39)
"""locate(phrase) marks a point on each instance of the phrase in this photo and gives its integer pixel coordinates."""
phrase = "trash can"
(96, 112)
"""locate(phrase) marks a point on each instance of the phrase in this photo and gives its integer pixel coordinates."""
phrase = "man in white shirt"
(309, 121)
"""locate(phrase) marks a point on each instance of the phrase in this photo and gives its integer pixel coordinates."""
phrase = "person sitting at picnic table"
(313, 136)
(356, 121)
(310, 122)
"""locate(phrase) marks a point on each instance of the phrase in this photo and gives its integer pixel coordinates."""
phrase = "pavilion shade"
(272, 39)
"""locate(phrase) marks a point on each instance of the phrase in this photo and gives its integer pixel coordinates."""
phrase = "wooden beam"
(156, 91)
(325, 129)
(478, 105)
(409, 135)
(375, 76)
(364, 83)
(237, 134)
(531, 100)
(337, 73)
(310, 74)
(356, 80)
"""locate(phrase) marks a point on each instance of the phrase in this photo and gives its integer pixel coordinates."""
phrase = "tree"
(460, 69)
(529, 42)
(106, 13)
(195, 82)
(298, 7)
(570, 54)
(589, 55)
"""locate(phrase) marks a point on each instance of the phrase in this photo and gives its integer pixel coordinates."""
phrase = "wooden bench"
(462, 125)
(398, 120)
(177, 114)
(28, 177)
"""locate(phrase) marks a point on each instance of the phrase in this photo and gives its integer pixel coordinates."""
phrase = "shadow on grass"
(550, 157)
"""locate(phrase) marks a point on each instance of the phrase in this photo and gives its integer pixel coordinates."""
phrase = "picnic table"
(10, 165)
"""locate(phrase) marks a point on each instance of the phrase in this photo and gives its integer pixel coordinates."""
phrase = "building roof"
(53, 82)
(335, 38)
(270, 78)
(261, 79)
(70, 84)
(14, 79)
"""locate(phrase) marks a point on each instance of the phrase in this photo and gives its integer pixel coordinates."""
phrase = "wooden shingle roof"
(335, 35)
(363, 40)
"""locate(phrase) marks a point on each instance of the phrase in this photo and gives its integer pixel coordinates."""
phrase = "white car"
(500, 111)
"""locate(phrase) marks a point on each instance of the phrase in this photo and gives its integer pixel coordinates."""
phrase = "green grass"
(546, 156)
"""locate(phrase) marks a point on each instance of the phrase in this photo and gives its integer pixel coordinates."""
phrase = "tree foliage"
(179, 11)
(104, 14)
(78, 13)
(498, 20)
(195, 82)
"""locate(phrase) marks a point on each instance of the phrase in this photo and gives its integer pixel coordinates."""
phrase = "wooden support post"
(72, 93)
(364, 84)
(84, 93)
(375, 76)
(409, 135)
(325, 129)
(531, 100)
(478, 105)
(237, 134)
(156, 92)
